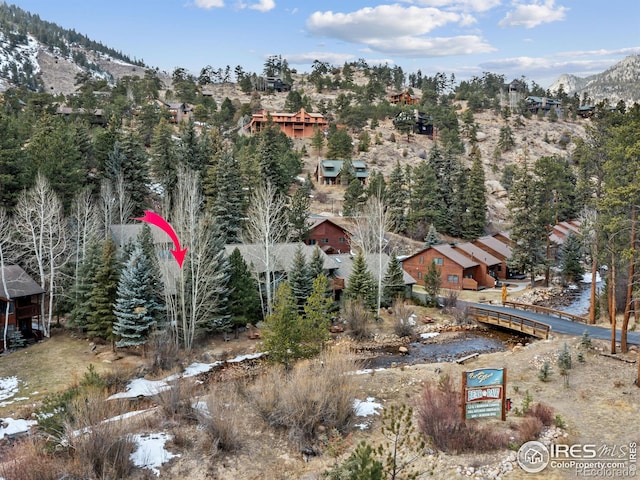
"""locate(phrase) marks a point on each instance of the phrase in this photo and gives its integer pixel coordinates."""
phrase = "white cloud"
(208, 4)
(533, 14)
(261, 6)
(308, 58)
(422, 47)
(466, 5)
(383, 21)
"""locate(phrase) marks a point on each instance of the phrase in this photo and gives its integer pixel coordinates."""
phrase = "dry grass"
(315, 393)
(48, 367)
(29, 459)
(221, 421)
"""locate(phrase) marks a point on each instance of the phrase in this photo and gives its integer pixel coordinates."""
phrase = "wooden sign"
(484, 393)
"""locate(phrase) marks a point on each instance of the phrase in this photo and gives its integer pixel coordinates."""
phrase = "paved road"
(561, 325)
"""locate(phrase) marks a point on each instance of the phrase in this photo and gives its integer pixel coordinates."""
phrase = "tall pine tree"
(136, 307)
(103, 294)
(361, 285)
(244, 301)
(393, 282)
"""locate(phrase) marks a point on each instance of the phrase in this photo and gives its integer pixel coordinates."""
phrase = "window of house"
(419, 275)
(421, 260)
(341, 240)
(437, 261)
(312, 241)
(452, 278)
(325, 240)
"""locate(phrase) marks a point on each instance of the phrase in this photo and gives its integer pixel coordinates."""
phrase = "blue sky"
(537, 39)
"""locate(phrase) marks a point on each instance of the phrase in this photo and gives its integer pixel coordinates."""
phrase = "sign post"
(484, 393)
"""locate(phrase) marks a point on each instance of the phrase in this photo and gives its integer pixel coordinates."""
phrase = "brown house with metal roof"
(329, 236)
(301, 124)
(23, 297)
(486, 272)
(403, 98)
(498, 249)
(457, 271)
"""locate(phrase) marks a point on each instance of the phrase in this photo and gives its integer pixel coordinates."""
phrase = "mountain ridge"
(618, 82)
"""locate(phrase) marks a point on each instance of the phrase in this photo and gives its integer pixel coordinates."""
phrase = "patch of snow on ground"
(429, 334)
(8, 389)
(364, 371)
(151, 453)
(141, 387)
(365, 408)
(198, 368)
(241, 358)
(9, 426)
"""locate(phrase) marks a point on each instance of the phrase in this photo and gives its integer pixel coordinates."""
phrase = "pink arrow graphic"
(154, 219)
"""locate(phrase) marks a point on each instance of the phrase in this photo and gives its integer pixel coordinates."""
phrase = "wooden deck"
(510, 321)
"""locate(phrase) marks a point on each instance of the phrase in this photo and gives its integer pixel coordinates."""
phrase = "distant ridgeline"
(18, 68)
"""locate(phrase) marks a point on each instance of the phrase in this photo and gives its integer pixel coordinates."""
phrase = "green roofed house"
(328, 171)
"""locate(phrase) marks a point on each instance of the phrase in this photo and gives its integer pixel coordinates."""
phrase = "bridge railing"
(546, 310)
(511, 321)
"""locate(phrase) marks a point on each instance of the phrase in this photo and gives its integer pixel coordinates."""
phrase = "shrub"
(450, 300)
(164, 352)
(529, 428)
(220, 420)
(542, 412)
(314, 393)
(358, 318)
(442, 424)
(176, 401)
(545, 371)
(585, 341)
(101, 448)
(361, 465)
(30, 459)
(402, 326)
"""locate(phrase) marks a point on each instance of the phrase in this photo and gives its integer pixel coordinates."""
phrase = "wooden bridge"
(511, 321)
(546, 311)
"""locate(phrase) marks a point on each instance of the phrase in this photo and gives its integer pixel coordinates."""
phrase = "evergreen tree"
(393, 282)
(300, 279)
(317, 317)
(361, 284)
(82, 308)
(317, 141)
(571, 259)
(376, 186)
(316, 264)
(423, 197)
(136, 308)
(52, 151)
(191, 151)
(228, 207)
(354, 198)
(299, 215)
(103, 294)
(347, 172)
(528, 229)
(244, 302)
(397, 199)
(432, 283)
(339, 144)
(134, 170)
(282, 329)
(13, 167)
(506, 141)
(432, 237)
(475, 215)
(164, 159)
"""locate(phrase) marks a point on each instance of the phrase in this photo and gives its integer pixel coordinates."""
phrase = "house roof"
(283, 255)
(478, 253)
(455, 256)
(19, 283)
(122, 234)
(496, 245)
(345, 266)
(319, 221)
(331, 168)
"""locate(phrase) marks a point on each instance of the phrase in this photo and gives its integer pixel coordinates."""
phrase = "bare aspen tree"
(368, 234)
(4, 241)
(194, 293)
(267, 225)
(84, 227)
(116, 206)
(42, 235)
